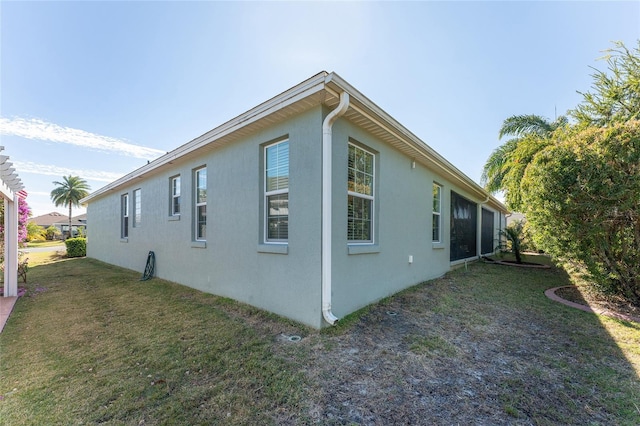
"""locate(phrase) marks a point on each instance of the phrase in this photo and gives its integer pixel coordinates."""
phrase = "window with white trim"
(200, 204)
(276, 192)
(174, 201)
(437, 213)
(124, 216)
(360, 195)
(137, 203)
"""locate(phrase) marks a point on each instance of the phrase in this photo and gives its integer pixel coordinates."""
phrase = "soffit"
(325, 89)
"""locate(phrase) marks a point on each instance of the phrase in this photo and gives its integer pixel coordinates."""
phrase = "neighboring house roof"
(55, 218)
(322, 89)
(48, 219)
(82, 218)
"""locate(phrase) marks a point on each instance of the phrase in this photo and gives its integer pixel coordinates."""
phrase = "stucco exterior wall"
(363, 274)
(233, 262)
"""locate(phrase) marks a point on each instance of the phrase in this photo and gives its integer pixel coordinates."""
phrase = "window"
(137, 202)
(200, 198)
(174, 201)
(360, 195)
(124, 216)
(276, 191)
(437, 210)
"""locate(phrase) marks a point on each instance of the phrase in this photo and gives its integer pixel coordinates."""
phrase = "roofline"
(331, 83)
(301, 90)
(416, 143)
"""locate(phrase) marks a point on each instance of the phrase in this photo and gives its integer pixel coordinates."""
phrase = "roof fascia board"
(402, 133)
(303, 90)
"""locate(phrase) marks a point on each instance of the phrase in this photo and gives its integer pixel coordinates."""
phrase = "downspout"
(326, 205)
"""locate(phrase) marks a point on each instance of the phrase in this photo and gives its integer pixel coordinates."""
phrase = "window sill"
(273, 248)
(363, 248)
(124, 240)
(172, 218)
(198, 244)
(438, 246)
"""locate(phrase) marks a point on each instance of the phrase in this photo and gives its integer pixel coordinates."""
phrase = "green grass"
(90, 344)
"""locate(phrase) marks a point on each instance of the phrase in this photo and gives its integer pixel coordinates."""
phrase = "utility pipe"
(326, 205)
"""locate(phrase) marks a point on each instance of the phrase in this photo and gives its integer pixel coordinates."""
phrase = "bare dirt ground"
(443, 355)
(615, 304)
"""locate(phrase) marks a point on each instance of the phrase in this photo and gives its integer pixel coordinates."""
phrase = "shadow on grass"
(482, 346)
(485, 346)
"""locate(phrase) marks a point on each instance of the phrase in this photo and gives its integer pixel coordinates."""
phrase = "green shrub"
(52, 233)
(76, 247)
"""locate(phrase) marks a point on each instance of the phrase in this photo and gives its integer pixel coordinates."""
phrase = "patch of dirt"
(515, 263)
(407, 362)
(584, 297)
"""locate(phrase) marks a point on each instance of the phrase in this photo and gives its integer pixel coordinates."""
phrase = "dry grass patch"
(91, 344)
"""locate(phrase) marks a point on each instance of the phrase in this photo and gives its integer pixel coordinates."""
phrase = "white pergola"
(9, 188)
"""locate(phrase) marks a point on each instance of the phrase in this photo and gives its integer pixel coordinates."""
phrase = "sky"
(96, 89)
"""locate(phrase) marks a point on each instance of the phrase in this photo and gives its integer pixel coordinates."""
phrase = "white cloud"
(42, 130)
(49, 170)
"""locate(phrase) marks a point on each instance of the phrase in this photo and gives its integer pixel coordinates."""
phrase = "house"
(61, 222)
(311, 205)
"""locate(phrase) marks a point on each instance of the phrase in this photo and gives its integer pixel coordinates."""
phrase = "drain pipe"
(326, 205)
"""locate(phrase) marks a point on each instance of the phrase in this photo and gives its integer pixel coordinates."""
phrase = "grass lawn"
(89, 343)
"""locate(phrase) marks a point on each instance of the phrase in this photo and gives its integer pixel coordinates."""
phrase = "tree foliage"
(583, 198)
(579, 183)
(615, 95)
(69, 192)
(504, 168)
(35, 232)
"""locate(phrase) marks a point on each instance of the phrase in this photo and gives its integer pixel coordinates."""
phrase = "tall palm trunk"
(70, 234)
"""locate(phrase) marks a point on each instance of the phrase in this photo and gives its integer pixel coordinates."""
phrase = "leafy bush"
(582, 199)
(35, 232)
(52, 233)
(76, 247)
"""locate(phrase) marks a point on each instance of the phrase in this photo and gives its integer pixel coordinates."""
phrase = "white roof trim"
(332, 84)
(11, 183)
(306, 88)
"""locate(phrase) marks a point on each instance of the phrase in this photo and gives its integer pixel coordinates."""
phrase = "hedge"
(76, 247)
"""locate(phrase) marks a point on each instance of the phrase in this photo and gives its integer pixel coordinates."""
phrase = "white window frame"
(436, 213)
(279, 191)
(175, 190)
(124, 216)
(368, 197)
(198, 204)
(137, 208)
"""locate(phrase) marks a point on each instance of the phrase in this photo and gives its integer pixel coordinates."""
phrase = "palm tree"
(69, 192)
(514, 234)
(501, 160)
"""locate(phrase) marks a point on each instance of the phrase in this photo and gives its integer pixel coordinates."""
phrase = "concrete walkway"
(6, 306)
(60, 247)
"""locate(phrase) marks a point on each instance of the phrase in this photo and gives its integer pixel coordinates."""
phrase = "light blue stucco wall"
(233, 263)
(363, 274)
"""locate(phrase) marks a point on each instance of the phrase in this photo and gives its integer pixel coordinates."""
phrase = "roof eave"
(423, 151)
(305, 89)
